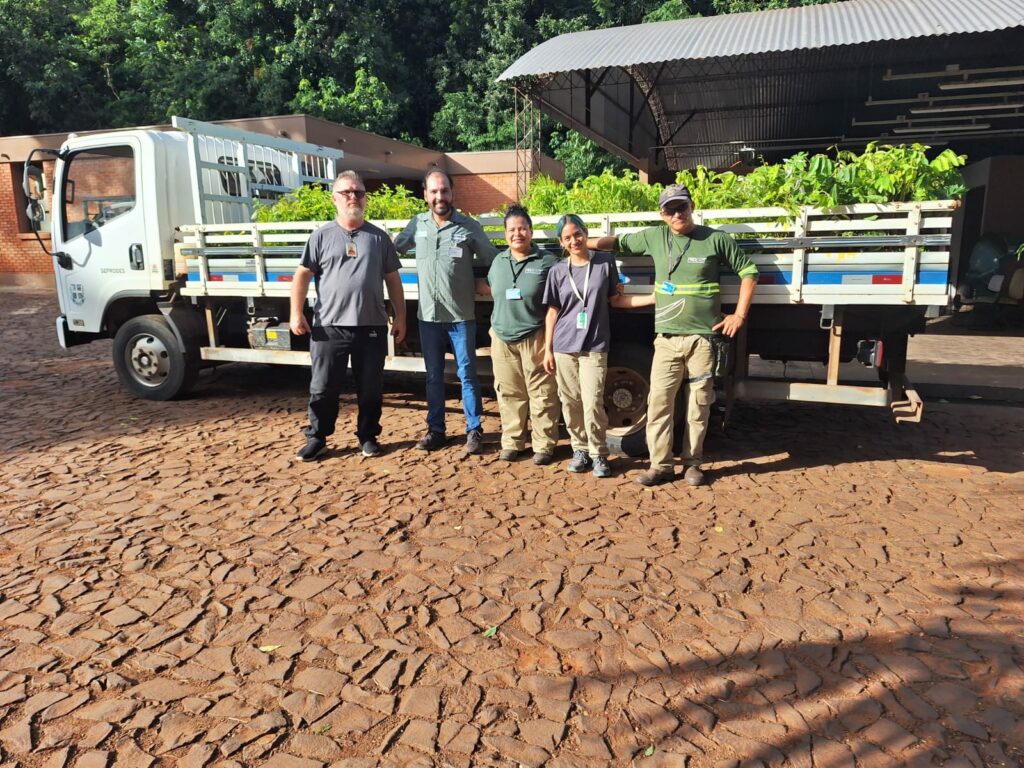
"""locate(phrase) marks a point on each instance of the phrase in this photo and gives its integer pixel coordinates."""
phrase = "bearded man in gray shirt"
(352, 261)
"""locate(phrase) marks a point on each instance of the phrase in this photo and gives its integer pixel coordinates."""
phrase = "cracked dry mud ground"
(175, 589)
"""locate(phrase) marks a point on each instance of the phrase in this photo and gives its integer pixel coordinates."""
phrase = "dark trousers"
(331, 347)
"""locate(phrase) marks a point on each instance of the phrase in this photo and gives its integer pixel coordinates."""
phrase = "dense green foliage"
(604, 193)
(314, 204)
(878, 175)
(423, 70)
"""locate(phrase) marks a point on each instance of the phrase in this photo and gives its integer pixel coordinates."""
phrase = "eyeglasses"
(678, 208)
(358, 194)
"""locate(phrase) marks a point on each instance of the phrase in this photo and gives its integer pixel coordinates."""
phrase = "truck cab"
(118, 198)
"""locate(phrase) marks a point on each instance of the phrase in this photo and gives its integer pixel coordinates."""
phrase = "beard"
(442, 208)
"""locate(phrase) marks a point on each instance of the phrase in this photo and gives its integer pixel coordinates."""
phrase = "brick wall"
(483, 193)
(22, 261)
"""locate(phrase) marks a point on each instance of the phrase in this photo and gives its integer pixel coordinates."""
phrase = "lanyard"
(586, 282)
(512, 268)
(682, 252)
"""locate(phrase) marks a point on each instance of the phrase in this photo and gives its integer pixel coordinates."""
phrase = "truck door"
(99, 226)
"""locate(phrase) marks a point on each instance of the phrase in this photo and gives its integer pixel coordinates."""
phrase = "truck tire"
(625, 398)
(149, 361)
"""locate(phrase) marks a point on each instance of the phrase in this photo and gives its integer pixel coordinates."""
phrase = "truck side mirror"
(33, 184)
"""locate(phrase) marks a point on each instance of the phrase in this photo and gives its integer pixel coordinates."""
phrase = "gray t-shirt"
(603, 282)
(349, 268)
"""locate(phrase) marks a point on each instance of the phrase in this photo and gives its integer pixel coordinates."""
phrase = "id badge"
(668, 287)
(513, 293)
(455, 252)
(351, 251)
(581, 320)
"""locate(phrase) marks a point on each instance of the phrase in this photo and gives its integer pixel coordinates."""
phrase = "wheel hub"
(622, 399)
(148, 359)
(625, 397)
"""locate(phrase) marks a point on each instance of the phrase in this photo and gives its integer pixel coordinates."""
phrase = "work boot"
(509, 454)
(653, 477)
(693, 476)
(542, 459)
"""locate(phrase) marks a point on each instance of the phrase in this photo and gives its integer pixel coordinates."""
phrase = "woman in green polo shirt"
(525, 390)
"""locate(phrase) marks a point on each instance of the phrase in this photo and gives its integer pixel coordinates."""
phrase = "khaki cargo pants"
(524, 390)
(581, 377)
(679, 360)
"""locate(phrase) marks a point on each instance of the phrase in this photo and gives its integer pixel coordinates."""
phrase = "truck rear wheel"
(627, 385)
(149, 361)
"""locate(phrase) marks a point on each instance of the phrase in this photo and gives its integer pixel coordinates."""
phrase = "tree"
(425, 70)
(370, 105)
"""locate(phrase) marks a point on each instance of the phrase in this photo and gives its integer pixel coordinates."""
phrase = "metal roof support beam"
(602, 141)
(682, 124)
(527, 122)
(647, 84)
(589, 89)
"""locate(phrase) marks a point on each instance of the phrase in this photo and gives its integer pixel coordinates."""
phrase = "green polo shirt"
(516, 319)
(445, 264)
(693, 303)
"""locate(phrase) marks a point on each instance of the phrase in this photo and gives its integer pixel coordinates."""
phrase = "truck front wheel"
(149, 361)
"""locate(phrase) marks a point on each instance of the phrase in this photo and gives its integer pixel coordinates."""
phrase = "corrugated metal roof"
(851, 22)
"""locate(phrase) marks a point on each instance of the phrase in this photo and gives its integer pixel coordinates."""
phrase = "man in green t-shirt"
(687, 258)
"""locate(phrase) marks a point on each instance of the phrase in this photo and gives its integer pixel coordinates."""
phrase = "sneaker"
(313, 448)
(432, 441)
(371, 448)
(693, 476)
(509, 454)
(654, 477)
(580, 462)
(475, 441)
(601, 467)
(542, 459)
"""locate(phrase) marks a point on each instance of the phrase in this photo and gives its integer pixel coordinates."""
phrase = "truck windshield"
(99, 186)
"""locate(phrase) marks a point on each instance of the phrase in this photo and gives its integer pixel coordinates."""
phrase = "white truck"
(153, 246)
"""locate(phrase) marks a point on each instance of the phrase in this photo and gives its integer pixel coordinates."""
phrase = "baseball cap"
(672, 193)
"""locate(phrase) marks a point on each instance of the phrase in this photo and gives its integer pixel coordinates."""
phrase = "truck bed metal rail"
(896, 253)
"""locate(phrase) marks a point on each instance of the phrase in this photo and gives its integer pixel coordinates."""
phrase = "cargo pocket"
(703, 392)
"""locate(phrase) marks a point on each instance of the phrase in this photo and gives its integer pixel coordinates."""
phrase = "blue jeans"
(463, 341)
